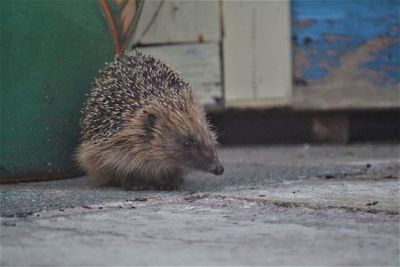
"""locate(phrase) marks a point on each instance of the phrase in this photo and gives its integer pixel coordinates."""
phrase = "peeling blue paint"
(325, 31)
(314, 72)
(388, 61)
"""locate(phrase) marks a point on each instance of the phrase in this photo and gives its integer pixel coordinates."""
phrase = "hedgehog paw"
(170, 183)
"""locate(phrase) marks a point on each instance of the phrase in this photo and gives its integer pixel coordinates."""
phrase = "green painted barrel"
(50, 53)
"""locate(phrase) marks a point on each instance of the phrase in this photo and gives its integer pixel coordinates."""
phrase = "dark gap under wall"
(375, 126)
(239, 127)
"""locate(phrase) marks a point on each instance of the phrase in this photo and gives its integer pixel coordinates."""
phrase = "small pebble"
(141, 199)
(329, 176)
(373, 203)
(9, 223)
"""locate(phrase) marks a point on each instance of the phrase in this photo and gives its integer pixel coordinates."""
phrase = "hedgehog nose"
(218, 169)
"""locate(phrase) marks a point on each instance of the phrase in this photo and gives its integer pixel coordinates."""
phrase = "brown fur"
(131, 160)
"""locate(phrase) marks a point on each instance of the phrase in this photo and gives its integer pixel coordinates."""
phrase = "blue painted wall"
(324, 32)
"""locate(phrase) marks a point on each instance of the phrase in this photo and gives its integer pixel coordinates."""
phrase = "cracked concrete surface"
(280, 205)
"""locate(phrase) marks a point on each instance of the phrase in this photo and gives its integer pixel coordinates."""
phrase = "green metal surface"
(50, 53)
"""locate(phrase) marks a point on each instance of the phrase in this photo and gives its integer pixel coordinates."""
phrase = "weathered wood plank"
(238, 51)
(199, 64)
(175, 21)
(344, 59)
(257, 61)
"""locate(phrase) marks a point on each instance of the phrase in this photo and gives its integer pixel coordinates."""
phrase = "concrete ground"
(279, 205)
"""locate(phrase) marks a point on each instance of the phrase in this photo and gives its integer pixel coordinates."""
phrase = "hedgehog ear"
(150, 123)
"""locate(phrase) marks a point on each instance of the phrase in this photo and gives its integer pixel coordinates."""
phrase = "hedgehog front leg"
(135, 182)
(171, 183)
(170, 180)
(103, 176)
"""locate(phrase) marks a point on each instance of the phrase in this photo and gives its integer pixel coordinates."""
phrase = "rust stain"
(366, 52)
(334, 38)
(111, 23)
(200, 38)
(127, 15)
(350, 74)
(301, 62)
(301, 24)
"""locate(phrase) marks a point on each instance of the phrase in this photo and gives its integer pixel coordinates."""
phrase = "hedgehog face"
(189, 143)
(200, 154)
(180, 132)
(193, 148)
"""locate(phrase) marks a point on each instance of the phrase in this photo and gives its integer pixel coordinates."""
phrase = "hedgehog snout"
(217, 168)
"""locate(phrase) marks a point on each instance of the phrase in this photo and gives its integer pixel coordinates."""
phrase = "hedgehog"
(143, 127)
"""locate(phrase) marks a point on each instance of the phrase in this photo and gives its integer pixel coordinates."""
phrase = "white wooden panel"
(238, 55)
(199, 64)
(257, 53)
(272, 49)
(173, 21)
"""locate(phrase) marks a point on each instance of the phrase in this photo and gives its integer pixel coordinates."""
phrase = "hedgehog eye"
(189, 142)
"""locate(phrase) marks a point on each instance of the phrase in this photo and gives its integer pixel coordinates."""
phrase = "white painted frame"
(257, 53)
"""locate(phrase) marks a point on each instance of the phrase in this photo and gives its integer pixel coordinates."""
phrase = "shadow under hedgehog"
(143, 128)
